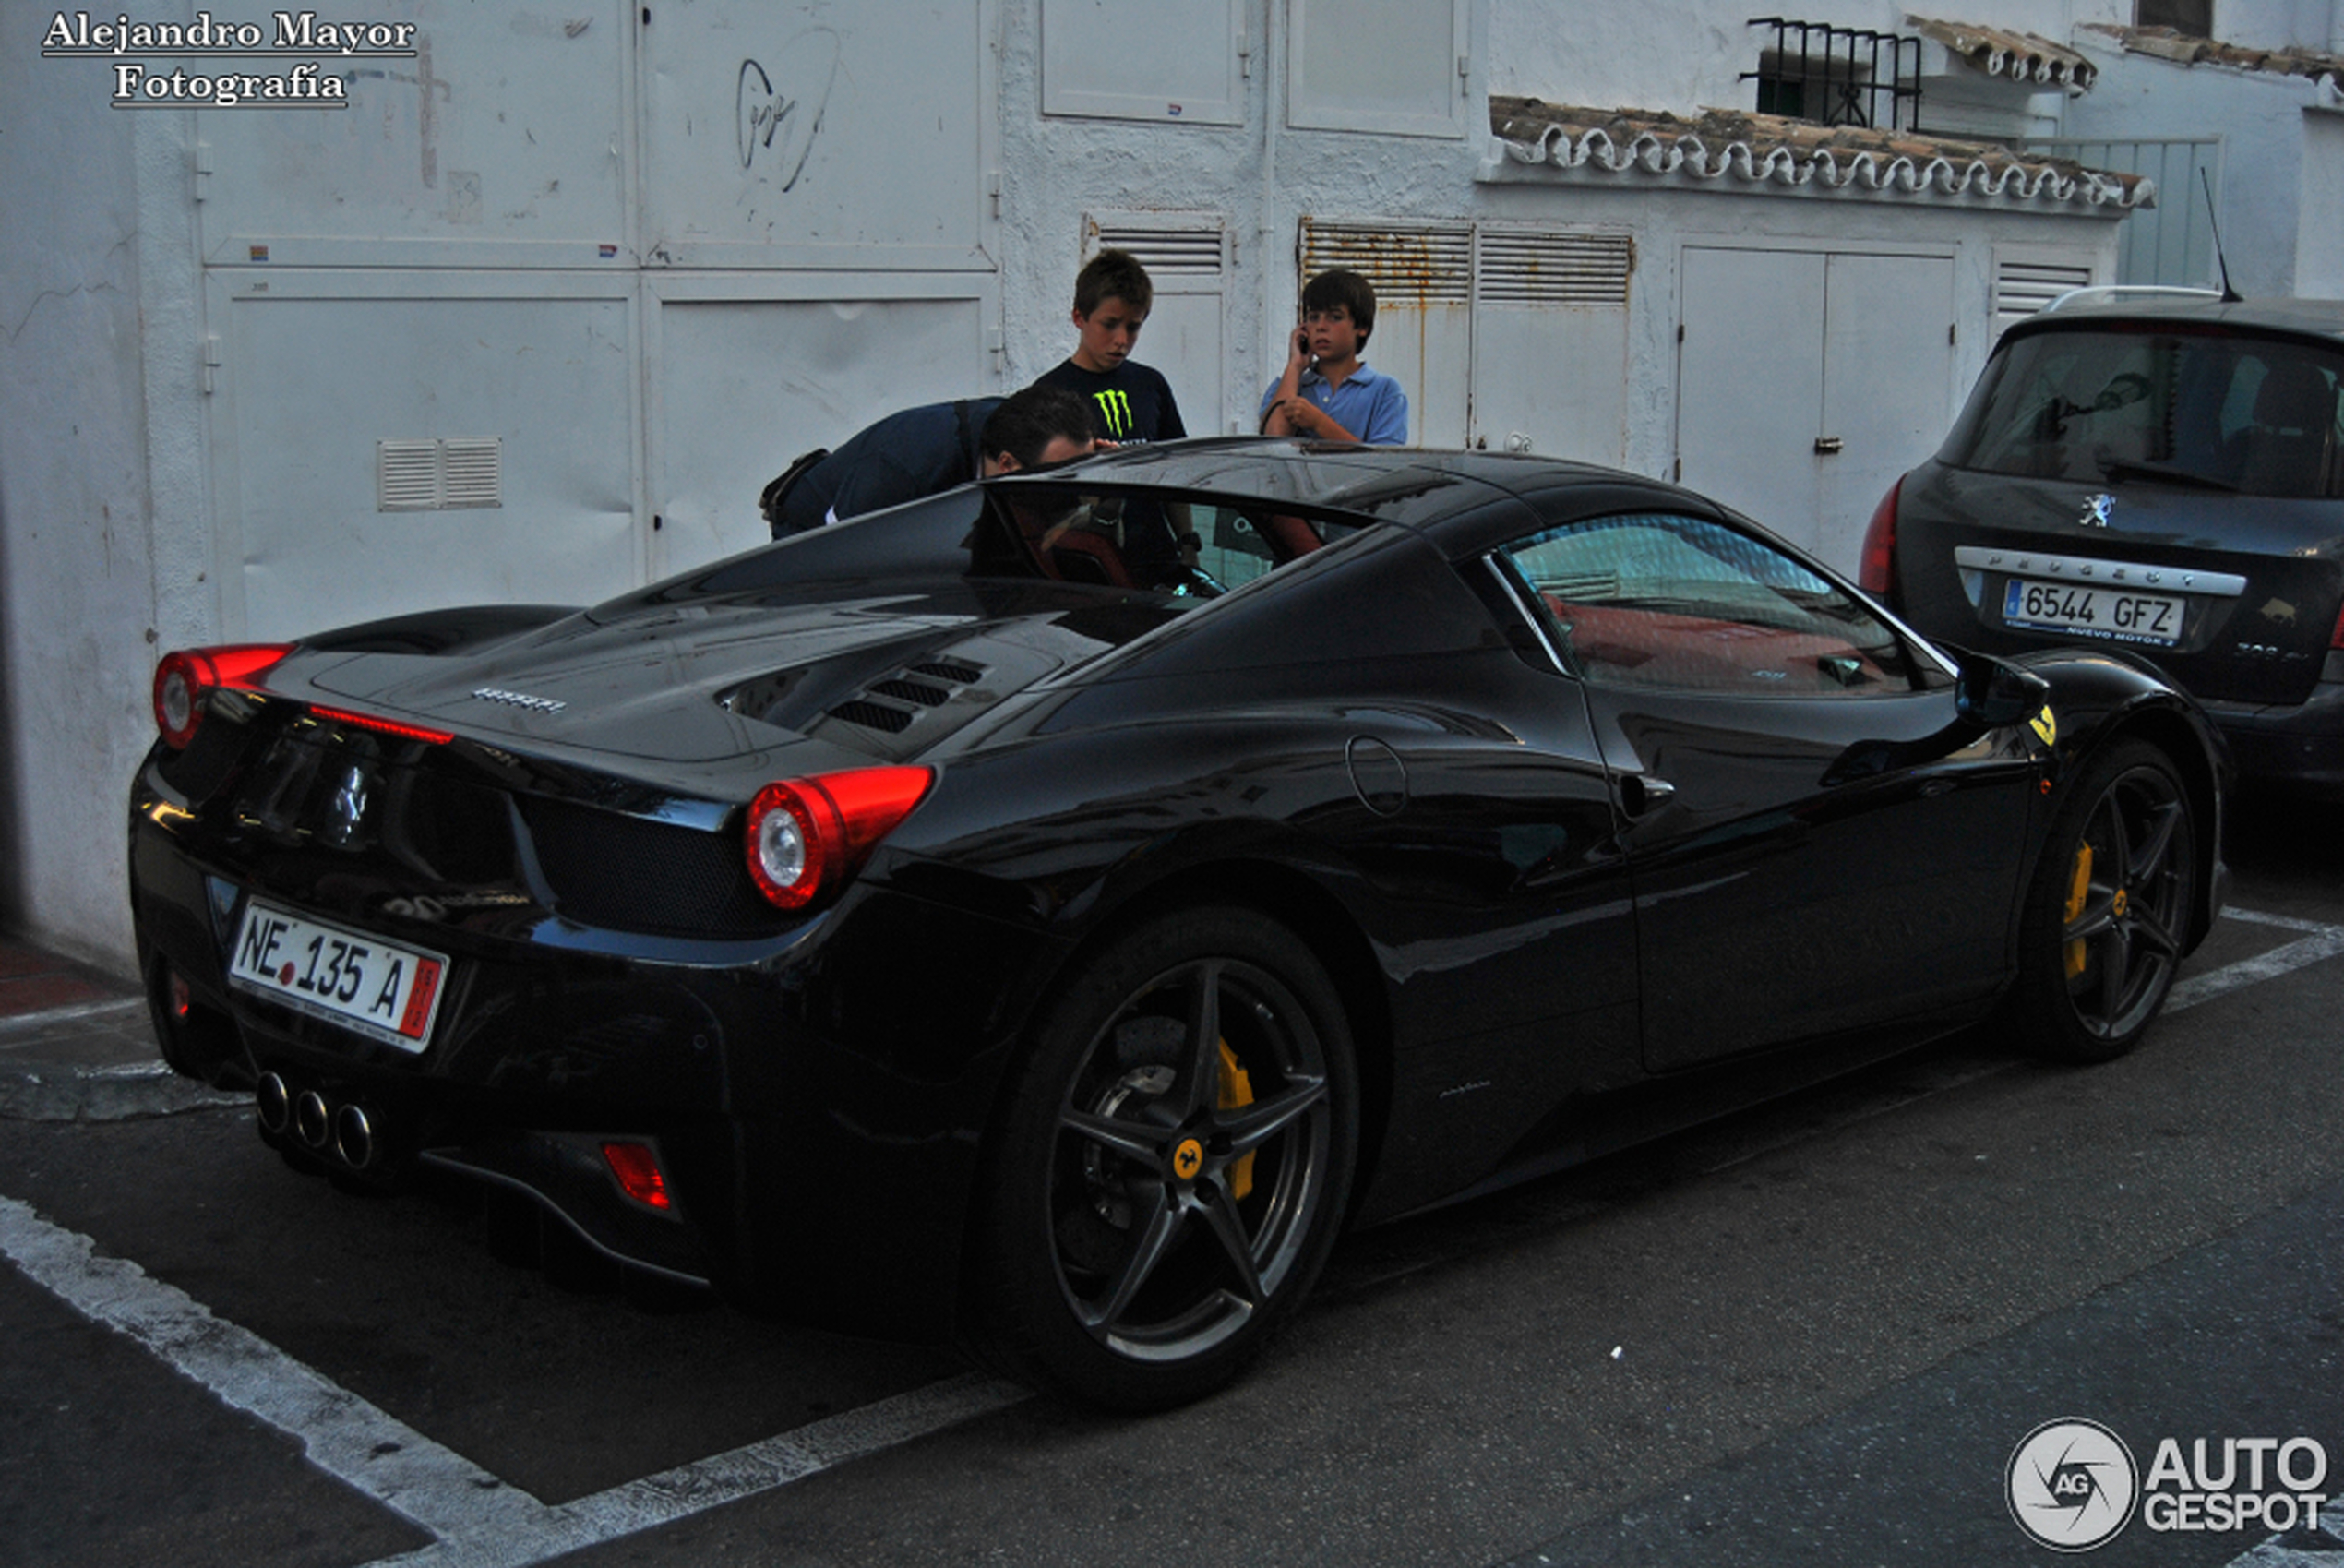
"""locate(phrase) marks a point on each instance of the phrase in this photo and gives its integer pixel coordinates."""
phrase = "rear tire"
(2107, 919)
(1171, 1166)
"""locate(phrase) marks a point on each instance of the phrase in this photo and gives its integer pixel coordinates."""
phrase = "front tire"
(2107, 919)
(1171, 1168)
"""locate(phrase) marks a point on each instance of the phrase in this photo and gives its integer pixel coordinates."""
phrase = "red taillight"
(184, 679)
(1876, 573)
(383, 727)
(807, 836)
(2335, 638)
(637, 1168)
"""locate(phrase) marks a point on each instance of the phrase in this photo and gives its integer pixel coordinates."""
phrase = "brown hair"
(1113, 274)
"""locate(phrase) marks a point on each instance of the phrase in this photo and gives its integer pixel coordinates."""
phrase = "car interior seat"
(2290, 445)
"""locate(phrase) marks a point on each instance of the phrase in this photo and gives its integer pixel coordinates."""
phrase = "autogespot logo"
(2072, 1485)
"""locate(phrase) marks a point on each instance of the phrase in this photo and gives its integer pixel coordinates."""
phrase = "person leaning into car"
(920, 451)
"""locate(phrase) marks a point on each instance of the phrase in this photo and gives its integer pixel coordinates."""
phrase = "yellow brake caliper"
(2078, 892)
(1236, 1089)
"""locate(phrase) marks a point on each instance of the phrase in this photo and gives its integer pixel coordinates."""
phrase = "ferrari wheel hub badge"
(2118, 904)
(1188, 1159)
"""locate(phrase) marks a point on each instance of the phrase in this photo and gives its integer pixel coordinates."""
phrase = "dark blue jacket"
(915, 452)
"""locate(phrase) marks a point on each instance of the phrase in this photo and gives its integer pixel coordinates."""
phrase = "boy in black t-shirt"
(1129, 401)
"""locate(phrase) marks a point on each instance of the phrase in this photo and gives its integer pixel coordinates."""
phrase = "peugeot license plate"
(2093, 612)
(379, 989)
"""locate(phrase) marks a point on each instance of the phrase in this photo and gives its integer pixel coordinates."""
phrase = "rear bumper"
(816, 1104)
(2300, 746)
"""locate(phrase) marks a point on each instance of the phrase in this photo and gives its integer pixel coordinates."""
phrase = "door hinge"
(210, 362)
(993, 190)
(202, 162)
(1953, 331)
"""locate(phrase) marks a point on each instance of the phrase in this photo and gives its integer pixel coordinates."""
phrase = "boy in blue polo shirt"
(1327, 391)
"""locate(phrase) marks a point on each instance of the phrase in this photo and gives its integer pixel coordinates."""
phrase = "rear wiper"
(2120, 468)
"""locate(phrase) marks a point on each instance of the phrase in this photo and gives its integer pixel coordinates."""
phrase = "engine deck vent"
(872, 715)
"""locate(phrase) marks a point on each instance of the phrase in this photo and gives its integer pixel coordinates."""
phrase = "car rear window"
(2211, 409)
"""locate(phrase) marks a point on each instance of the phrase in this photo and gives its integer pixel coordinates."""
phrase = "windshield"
(2209, 409)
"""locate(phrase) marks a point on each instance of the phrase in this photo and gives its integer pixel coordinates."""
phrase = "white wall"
(2260, 116)
(78, 587)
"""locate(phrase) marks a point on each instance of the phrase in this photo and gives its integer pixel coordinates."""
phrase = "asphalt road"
(1813, 1334)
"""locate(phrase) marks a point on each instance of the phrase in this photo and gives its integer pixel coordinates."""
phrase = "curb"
(106, 1093)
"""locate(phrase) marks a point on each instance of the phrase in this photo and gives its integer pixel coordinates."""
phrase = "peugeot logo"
(519, 700)
(2096, 510)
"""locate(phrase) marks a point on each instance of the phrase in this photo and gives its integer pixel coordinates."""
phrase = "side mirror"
(1990, 694)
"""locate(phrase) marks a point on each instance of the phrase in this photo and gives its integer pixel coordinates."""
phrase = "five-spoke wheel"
(2107, 921)
(1172, 1165)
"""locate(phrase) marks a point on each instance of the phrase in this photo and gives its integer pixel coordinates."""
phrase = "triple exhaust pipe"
(345, 1131)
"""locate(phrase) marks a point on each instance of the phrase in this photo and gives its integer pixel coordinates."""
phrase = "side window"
(1675, 602)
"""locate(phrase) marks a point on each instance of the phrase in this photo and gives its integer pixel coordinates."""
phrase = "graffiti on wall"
(780, 112)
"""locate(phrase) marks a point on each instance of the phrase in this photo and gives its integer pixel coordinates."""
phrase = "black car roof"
(2302, 318)
(1466, 500)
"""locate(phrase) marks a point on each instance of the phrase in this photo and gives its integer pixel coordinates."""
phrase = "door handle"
(1826, 445)
(1641, 794)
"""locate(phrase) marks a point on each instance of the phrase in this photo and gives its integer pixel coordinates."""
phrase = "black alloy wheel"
(2108, 919)
(1172, 1165)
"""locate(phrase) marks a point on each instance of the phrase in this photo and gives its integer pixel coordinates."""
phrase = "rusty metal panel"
(1423, 280)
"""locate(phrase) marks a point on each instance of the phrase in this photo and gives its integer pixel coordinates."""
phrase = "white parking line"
(2319, 943)
(478, 1521)
(24, 1023)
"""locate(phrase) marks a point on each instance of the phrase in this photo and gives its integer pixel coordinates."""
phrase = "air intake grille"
(872, 715)
(439, 475)
(1520, 267)
(912, 692)
(1168, 250)
(2022, 288)
(629, 875)
(1405, 267)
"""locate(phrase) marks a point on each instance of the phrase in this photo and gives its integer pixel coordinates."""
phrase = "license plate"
(379, 989)
(2093, 612)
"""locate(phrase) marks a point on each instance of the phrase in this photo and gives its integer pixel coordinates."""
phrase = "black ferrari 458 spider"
(1045, 914)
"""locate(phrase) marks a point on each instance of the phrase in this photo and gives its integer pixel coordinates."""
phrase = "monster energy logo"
(1115, 409)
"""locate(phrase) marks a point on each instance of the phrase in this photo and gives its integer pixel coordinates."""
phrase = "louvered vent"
(1166, 250)
(872, 715)
(406, 476)
(2022, 288)
(1424, 265)
(442, 475)
(1519, 267)
(473, 470)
